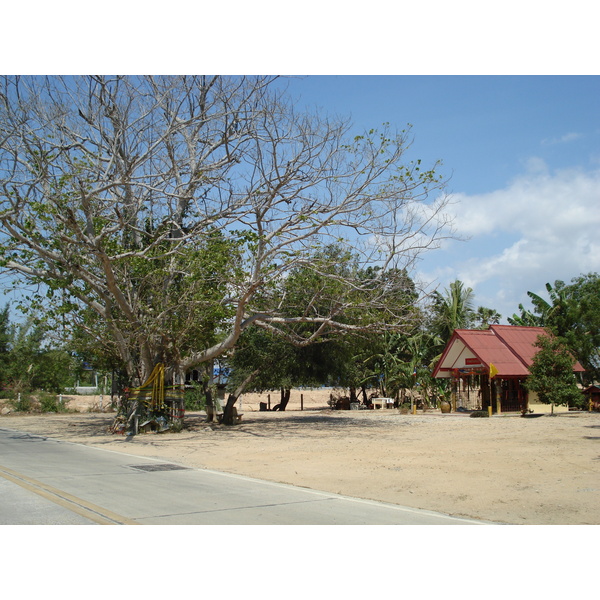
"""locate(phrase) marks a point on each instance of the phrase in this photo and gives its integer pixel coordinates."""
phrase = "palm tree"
(454, 310)
(487, 316)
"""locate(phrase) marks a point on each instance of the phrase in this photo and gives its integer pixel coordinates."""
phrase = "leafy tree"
(263, 361)
(579, 321)
(25, 348)
(573, 313)
(54, 370)
(312, 353)
(29, 361)
(161, 214)
(552, 373)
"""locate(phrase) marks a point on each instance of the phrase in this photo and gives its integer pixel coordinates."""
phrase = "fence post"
(301, 401)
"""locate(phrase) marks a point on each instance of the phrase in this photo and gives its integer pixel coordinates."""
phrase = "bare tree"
(163, 213)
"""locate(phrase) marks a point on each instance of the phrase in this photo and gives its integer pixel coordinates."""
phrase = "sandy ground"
(505, 469)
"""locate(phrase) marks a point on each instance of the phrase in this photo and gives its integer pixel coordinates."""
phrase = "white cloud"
(568, 137)
(538, 203)
(542, 227)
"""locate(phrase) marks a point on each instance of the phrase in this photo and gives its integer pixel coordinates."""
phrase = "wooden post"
(301, 401)
(454, 393)
(269, 401)
(498, 398)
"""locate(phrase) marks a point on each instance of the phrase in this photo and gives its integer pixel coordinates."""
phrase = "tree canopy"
(30, 361)
(572, 313)
(552, 373)
(162, 214)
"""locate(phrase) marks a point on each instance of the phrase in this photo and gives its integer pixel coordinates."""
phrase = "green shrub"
(22, 404)
(194, 398)
(479, 413)
(51, 403)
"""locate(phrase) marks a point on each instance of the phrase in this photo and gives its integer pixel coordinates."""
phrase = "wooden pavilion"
(496, 360)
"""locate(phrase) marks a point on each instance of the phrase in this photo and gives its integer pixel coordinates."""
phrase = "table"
(383, 402)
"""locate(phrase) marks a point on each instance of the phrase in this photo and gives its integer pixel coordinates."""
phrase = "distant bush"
(24, 403)
(51, 403)
(37, 402)
(194, 398)
(479, 413)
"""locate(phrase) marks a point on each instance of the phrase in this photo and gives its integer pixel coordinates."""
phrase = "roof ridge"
(509, 346)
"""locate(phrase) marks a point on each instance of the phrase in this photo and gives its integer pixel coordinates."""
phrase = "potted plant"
(445, 406)
(444, 393)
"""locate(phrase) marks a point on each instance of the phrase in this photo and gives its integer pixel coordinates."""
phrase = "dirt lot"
(505, 469)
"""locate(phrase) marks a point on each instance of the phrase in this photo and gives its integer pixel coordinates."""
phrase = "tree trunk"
(364, 393)
(131, 426)
(211, 409)
(285, 398)
(230, 411)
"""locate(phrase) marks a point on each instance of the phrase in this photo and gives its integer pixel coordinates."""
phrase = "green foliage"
(4, 345)
(28, 361)
(578, 321)
(552, 375)
(54, 371)
(179, 299)
(352, 359)
(162, 216)
(484, 317)
(52, 403)
(545, 314)
(22, 403)
(452, 310)
(479, 414)
(525, 319)
(195, 398)
(280, 363)
(573, 313)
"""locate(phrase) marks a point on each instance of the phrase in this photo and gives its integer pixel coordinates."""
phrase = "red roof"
(508, 347)
(520, 340)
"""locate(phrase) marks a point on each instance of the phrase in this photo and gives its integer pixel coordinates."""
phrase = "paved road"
(46, 481)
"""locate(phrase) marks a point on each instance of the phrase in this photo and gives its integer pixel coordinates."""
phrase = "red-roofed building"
(593, 395)
(504, 351)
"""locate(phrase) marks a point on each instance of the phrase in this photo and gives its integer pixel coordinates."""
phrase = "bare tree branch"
(175, 208)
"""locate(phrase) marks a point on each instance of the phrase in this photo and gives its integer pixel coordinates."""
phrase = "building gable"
(509, 348)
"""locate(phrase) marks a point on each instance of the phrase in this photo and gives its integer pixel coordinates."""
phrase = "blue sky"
(522, 154)
(508, 99)
(523, 157)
